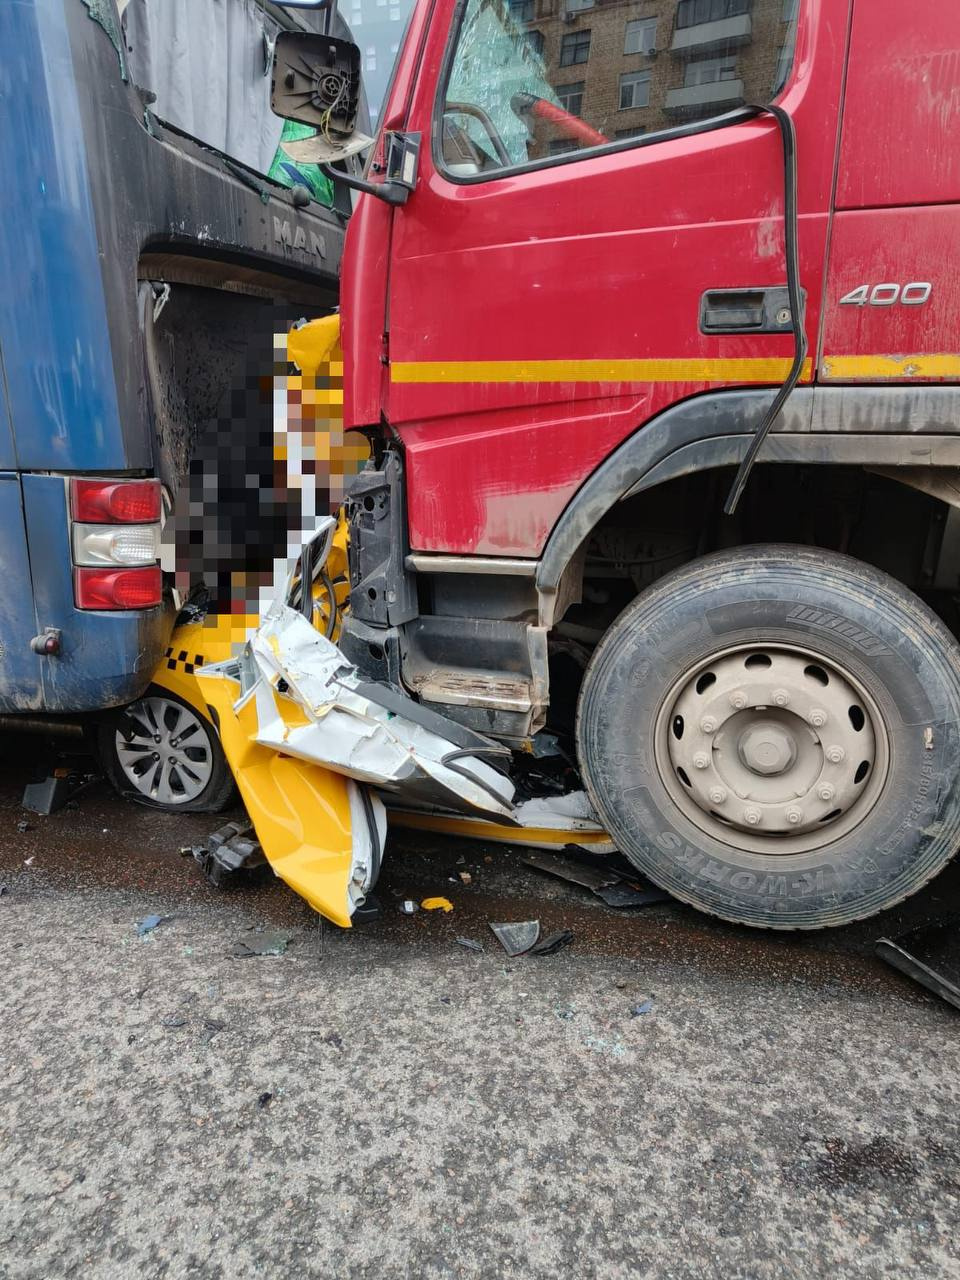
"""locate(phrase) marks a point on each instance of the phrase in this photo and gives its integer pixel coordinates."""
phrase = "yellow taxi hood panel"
(315, 345)
(301, 812)
(216, 638)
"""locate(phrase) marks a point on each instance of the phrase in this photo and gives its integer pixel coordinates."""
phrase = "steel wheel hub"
(164, 751)
(773, 744)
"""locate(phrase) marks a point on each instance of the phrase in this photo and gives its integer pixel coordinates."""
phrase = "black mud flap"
(929, 955)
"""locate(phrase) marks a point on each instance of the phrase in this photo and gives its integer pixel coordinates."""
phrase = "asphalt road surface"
(384, 1102)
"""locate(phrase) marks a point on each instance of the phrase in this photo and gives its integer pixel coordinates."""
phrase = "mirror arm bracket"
(391, 192)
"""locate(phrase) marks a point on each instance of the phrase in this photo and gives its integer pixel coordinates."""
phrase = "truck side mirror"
(316, 81)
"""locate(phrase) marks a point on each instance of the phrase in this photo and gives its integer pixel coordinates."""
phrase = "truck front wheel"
(771, 735)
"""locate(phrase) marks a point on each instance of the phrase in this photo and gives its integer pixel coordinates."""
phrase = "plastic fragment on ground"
(469, 944)
(929, 955)
(264, 944)
(552, 943)
(516, 937)
(437, 904)
(149, 923)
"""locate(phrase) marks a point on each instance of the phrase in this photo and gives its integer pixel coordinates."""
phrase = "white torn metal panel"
(346, 730)
(368, 819)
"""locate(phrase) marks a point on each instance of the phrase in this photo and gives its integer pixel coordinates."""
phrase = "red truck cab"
(565, 341)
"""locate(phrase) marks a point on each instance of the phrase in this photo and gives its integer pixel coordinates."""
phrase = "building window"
(371, 59)
(576, 6)
(690, 13)
(574, 48)
(570, 97)
(521, 10)
(641, 36)
(710, 71)
(394, 13)
(535, 41)
(636, 132)
(560, 146)
(634, 90)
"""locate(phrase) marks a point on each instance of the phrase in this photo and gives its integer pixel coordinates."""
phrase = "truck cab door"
(591, 185)
(893, 307)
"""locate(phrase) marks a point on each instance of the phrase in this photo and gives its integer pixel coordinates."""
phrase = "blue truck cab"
(144, 254)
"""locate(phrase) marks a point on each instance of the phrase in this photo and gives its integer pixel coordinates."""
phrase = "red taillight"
(115, 501)
(117, 588)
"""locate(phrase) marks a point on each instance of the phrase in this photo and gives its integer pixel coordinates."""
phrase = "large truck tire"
(771, 735)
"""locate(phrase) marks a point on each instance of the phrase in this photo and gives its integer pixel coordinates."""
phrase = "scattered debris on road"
(552, 943)
(516, 937)
(264, 944)
(147, 925)
(599, 875)
(929, 955)
(408, 907)
(437, 904)
(470, 944)
(638, 1010)
(227, 853)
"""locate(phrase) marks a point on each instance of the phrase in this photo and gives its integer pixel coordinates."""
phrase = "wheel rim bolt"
(825, 791)
(818, 717)
(701, 760)
(780, 697)
(752, 817)
(794, 816)
(738, 699)
(708, 724)
(717, 795)
(834, 754)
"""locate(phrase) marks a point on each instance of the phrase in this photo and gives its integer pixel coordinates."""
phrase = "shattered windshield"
(535, 79)
(495, 59)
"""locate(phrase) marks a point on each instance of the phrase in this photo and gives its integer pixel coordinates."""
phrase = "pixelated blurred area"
(263, 472)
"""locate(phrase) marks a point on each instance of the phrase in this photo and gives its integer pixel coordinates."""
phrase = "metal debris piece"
(149, 923)
(470, 943)
(48, 796)
(603, 880)
(23, 826)
(359, 729)
(264, 1101)
(929, 955)
(408, 907)
(437, 904)
(552, 943)
(625, 894)
(227, 852)
(265, 944)
(516, 937)
(592, 878)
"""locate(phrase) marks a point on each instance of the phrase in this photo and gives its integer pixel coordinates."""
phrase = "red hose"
(572, 125)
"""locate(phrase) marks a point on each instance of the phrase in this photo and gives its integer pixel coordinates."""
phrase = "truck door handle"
(746, 311)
